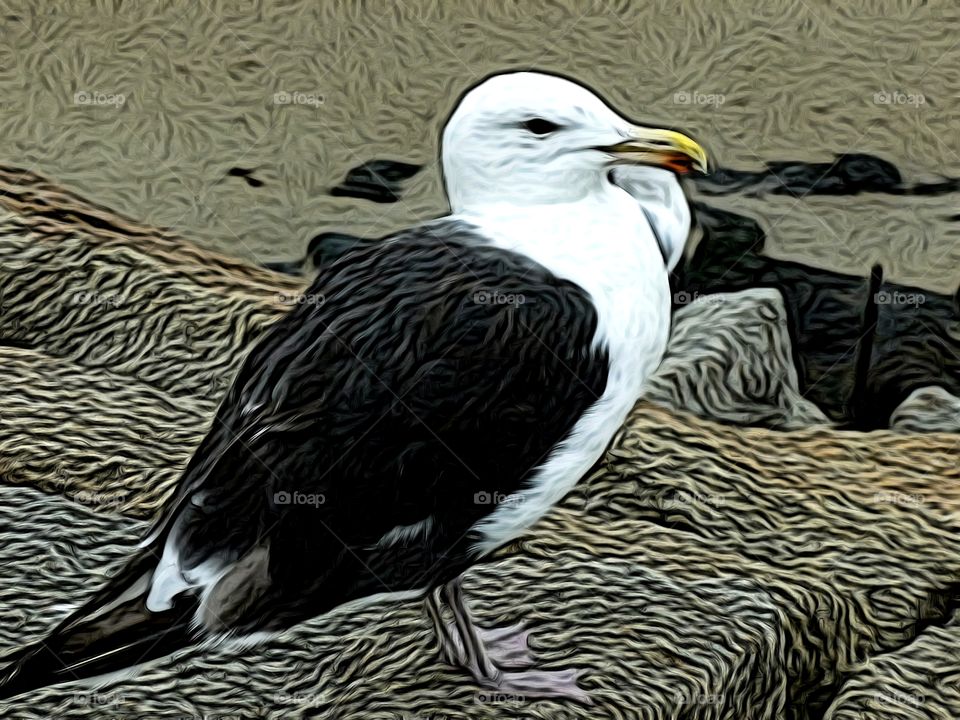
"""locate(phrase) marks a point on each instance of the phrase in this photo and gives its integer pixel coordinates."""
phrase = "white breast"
(606, 246)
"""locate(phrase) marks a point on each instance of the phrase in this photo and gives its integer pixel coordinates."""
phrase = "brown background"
(798, 81)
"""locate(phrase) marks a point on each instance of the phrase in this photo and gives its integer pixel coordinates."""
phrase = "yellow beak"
(663, 148)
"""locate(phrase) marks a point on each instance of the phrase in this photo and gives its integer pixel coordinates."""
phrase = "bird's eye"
(539, 126)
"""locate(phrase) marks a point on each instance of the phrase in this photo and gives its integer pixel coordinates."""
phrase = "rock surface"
(703, 570)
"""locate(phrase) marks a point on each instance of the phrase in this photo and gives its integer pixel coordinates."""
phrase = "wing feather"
(435, 369)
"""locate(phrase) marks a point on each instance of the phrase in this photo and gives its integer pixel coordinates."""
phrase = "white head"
(544, 139)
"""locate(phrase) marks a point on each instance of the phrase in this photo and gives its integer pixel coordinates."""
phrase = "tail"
(113, 631)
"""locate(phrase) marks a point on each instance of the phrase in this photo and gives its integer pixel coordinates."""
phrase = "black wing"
(414, 381)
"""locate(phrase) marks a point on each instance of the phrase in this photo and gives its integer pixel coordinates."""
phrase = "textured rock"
(730, 358)
(928, 409)
(825, 310)
(104, 439)
(380, 660)
(703, 570)
(919, 682)
(106, 292)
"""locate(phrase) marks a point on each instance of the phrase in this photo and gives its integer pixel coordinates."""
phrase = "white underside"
(606, 246)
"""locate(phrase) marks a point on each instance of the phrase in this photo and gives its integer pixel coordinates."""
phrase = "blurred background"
(149, 107)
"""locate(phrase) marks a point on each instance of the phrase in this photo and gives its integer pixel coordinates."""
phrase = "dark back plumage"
(411, 378)
(416, 382)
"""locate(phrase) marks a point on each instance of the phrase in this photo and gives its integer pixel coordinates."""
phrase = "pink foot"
(506, 647)
(538, 684)
(487, 654)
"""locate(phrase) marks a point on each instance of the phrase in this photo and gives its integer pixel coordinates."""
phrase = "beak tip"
(667, 148)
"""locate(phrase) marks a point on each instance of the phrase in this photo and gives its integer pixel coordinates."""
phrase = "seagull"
(428, 398)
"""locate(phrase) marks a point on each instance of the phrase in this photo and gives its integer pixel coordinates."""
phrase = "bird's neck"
(598, 241)
(660, 196)
(603, 243)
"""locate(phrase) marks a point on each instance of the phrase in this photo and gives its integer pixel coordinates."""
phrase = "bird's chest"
(610, 251)
(615, 258)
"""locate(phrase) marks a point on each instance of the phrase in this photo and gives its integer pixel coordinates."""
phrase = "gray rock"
(927, 409)
(729, 359)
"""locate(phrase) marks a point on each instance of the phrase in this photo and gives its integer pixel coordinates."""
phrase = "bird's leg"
(507, 646)
(484, 653)
(450, 646)
(475, 651)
